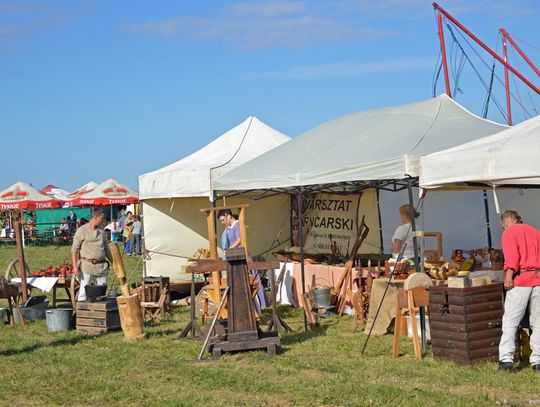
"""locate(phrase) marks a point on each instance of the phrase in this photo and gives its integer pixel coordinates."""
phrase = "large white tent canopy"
(193, 175)
(382, 144)
(510, 157)
(174, 227)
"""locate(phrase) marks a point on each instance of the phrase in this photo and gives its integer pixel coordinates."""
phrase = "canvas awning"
(510, 157)
(193, 175)
(376, 145)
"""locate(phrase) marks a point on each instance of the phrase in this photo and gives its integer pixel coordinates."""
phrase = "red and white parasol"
(55, 192)
(109, 192)
(83, 190)
(21, 196)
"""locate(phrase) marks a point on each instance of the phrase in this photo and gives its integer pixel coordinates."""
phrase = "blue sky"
(99, 89)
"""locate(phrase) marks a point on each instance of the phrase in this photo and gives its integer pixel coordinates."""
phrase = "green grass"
(318, 368)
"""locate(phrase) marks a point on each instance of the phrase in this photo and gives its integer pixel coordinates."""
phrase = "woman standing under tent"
(403, 234)
(232, 240)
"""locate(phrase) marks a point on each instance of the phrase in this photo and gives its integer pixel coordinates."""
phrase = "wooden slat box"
(98, 317)
(465, 323)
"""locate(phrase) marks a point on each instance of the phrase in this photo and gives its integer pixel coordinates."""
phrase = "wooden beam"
(20, 255)
(220, 208)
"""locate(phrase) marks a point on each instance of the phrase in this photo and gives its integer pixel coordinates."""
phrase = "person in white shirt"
(136, 236)
(403, 234)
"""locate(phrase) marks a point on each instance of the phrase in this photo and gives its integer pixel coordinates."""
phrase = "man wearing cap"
(89, 254)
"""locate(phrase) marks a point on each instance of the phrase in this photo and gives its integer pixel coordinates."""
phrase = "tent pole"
(488, 225)
(300, 217)
(141, 214)
(416, 260)
(380, 220)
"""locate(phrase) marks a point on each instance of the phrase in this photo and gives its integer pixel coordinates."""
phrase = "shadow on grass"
(59, 342)
(301, 336)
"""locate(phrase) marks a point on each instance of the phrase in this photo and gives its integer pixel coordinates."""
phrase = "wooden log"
(131, 317)
(119, 268)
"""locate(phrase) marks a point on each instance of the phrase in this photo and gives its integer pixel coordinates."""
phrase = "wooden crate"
(465, 323)
(97, 317)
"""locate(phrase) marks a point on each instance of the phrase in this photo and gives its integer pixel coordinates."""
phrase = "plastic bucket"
(59, 319)
(321, 297)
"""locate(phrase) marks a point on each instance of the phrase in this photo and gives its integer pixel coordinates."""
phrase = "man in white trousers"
(89, 254)
(521, 248)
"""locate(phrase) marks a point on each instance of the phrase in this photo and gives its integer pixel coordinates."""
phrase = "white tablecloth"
(285, 295)
(43, 283)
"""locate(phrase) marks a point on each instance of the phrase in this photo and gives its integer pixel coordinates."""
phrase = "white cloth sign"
(330, 220)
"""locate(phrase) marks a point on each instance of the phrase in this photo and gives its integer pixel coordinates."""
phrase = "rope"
(497, 103)
(485, 63)
(146, 254)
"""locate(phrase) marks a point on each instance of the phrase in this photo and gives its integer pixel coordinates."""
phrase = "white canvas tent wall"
(174, 228)
(508, 158)
(369, 148)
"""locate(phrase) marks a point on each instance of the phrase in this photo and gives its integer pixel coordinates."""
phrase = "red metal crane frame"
(503, 60)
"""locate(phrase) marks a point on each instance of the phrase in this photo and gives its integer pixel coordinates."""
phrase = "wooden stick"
(22, 263)
(216, 314)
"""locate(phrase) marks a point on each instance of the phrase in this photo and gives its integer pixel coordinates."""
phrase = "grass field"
(318, 368)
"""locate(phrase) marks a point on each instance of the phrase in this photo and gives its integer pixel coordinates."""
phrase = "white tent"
(381, 144)
(510, 157)
(194, 175)
(370, 149)
(174, 227)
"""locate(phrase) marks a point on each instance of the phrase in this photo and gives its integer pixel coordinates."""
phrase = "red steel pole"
(507, 36)
(507, 84)
(443, 55)
(489, 50)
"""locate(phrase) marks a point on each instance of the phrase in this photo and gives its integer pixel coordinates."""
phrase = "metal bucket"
(321, 297)
(59, 319)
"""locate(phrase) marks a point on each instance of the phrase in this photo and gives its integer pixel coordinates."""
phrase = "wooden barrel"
(131, 317)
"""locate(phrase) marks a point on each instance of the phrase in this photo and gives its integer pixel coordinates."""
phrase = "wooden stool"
(408, 302)
(152, 289)
(153, 310)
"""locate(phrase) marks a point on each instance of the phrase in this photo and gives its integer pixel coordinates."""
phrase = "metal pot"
(95, 291)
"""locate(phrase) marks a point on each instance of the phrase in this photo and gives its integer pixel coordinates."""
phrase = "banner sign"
(330, 220)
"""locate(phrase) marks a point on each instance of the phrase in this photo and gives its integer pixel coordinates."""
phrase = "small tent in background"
(21, 196)
(109, 192)
(174, 228)
(55, 192)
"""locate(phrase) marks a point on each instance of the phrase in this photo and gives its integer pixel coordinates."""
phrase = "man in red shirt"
(521, 248)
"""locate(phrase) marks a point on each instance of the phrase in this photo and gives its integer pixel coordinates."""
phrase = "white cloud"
(415, 8)
(348, 69)
(267, 9)
(259, 33)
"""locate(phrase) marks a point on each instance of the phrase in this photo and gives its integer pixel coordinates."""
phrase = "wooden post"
(119, 269)
(20, 255)
(243, 230)
(216, 275)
